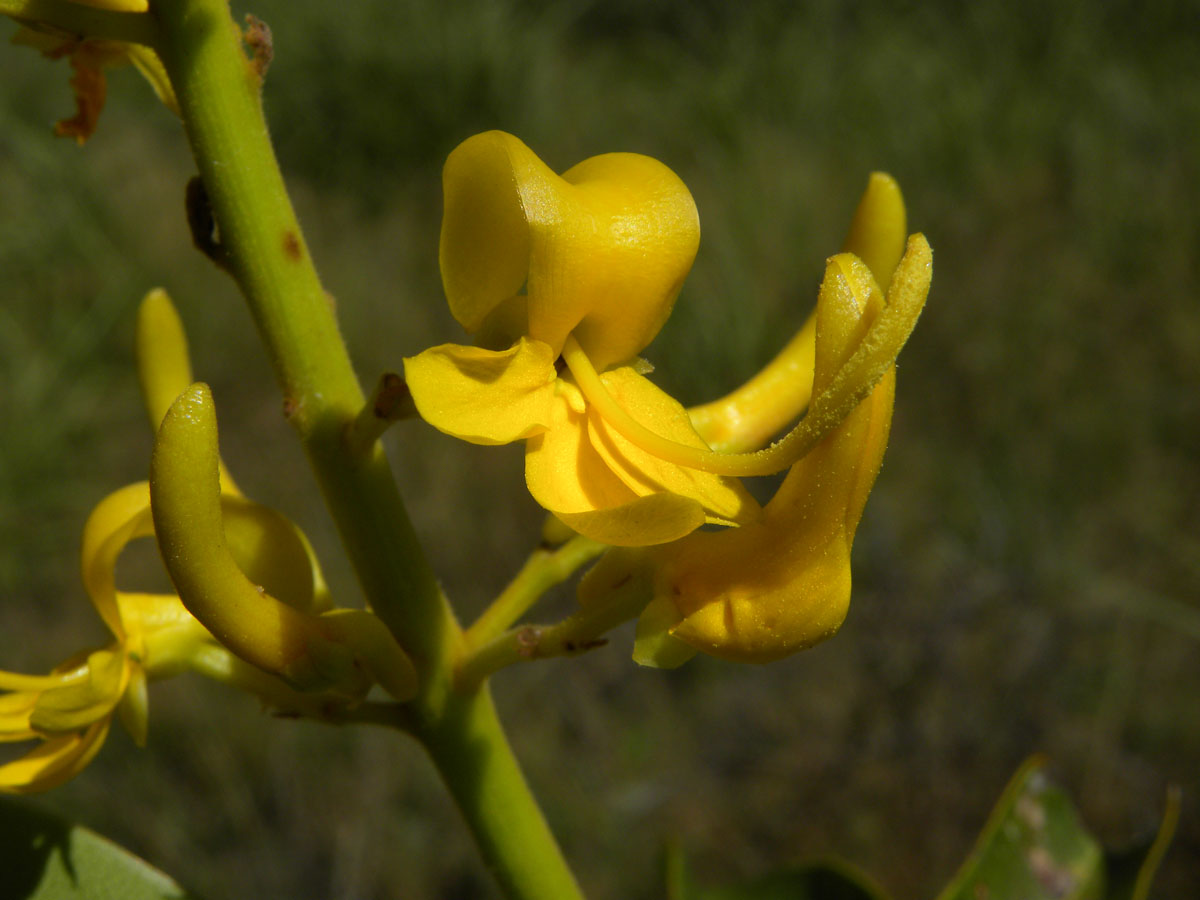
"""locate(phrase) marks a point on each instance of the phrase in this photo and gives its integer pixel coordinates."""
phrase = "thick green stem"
(219, 97)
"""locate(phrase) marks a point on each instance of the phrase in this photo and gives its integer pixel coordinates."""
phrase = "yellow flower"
(601, 252)
(156, 636)
(780, 584)
(71, 709)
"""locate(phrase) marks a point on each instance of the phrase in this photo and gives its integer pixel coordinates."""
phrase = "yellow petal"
(602, 250)
(746, 418)
(186, 505)
(53, 762)
(15, 711)
(566, 475)
(724, 500)
(484, 396)
(160, 346)
(79, 704)
(846, 308)
(134, 708)
(269, 549)
(777, 586)
(163, 362)
(118, 519)
(879, 228)
(768, 589)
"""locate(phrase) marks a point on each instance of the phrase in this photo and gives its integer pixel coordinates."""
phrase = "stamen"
(850, 386)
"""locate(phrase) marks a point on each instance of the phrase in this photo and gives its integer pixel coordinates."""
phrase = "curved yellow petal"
(53, 762)
(253, 624)
(746, 418)
(848, 305)
(724, 500)
(770, 588)
(567, 476)
(118, 519)
(164, 366)
(15, 711)
(268, 548)
(602, 250)
(879, 228)
(77, 705)
(484, 396)
(641, 522)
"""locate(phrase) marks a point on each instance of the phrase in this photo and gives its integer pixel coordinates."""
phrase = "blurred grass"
(1028, 571)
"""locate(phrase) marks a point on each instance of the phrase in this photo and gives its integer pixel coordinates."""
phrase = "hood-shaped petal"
(601, 250)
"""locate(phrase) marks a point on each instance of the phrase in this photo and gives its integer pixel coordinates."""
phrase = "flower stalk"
(218, 89)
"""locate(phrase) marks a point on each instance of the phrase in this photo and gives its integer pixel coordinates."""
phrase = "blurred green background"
(1027, 575)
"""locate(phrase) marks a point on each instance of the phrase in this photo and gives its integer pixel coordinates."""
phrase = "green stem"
(542, 571)
(219, 98)
(575, 634)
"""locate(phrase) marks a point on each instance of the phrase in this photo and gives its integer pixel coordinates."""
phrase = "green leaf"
(45, 858)
(1033, 847)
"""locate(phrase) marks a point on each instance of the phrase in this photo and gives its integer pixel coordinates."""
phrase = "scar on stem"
(291, 246)
(258, 38)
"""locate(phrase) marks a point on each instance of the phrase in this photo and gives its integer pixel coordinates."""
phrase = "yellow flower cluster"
(259, 573)
(564, 280)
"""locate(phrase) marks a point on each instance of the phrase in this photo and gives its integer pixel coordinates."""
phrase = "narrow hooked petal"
(484, 396)
(602, 250)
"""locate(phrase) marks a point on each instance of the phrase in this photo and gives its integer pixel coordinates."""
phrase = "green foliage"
(45, 858)
(1033, 847)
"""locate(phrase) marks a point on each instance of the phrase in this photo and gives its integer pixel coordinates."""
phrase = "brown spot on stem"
(291, 246)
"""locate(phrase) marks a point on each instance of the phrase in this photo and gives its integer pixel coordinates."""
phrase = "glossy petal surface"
(601, 250)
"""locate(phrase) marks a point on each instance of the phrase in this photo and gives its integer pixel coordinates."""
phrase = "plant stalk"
(219, 96)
